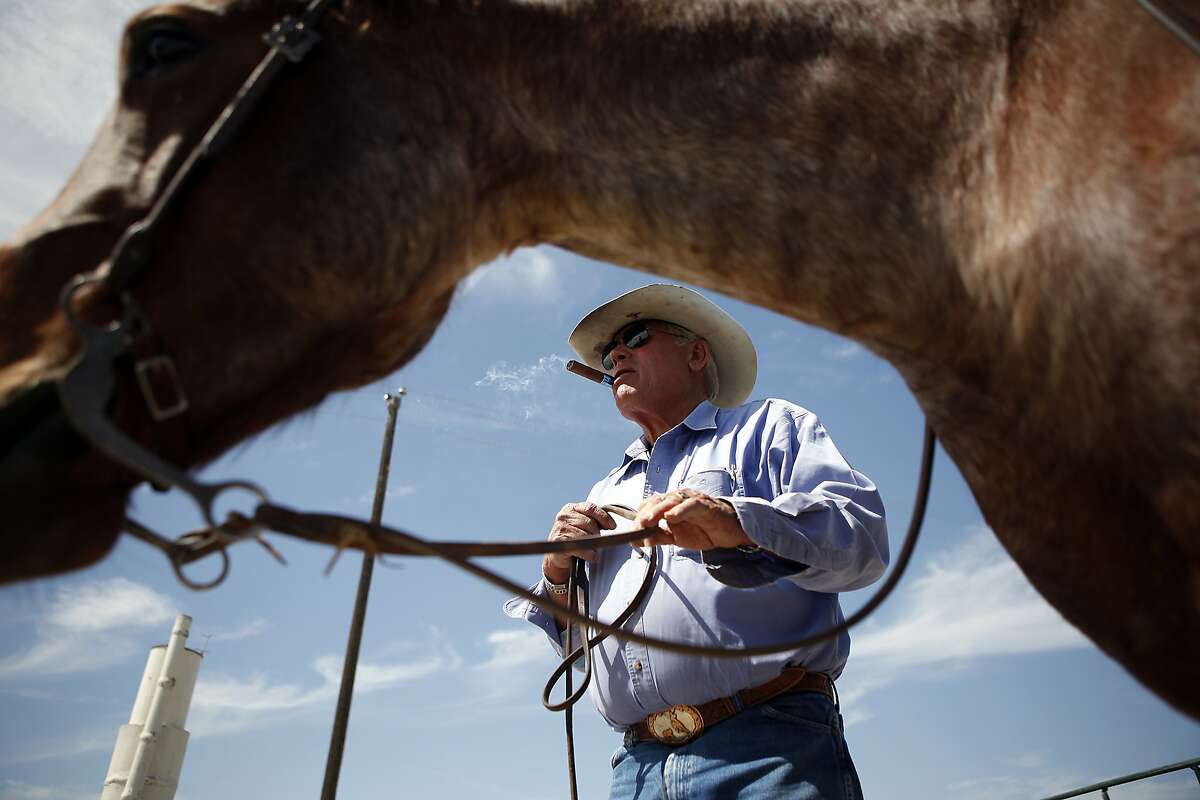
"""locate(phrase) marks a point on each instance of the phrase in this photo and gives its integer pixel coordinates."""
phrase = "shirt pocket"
(715, 482)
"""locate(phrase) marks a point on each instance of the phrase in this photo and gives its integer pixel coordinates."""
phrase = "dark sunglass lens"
(633, 337)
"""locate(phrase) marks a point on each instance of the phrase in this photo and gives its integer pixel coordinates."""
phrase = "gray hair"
(682, 336)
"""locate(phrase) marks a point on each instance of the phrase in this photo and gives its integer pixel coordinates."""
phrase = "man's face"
(652, 378)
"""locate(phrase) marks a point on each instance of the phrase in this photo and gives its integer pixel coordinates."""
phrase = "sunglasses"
(632, 336)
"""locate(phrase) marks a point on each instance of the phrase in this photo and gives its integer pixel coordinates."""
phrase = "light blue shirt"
(794, 495)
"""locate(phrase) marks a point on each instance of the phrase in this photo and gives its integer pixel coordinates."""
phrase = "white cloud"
(436, 412)
(29, 751)
(89, 626)
(225, 704)
(843, 350)
(18, 790)
(228, 704)
(394, 491)
(255, 627)
(515, 648)
(970, 602)
(106, 605)
(370, 677)
(1032, 760)
(1010, 787)
(529, 273)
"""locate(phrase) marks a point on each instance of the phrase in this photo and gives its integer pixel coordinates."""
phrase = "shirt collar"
(703, 417)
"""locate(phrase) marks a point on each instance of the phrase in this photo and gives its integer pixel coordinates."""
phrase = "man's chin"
(626, 398)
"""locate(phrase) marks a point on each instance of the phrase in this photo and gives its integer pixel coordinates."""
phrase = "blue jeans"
(791, 747)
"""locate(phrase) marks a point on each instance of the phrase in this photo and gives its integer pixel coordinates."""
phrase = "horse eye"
(159, 46)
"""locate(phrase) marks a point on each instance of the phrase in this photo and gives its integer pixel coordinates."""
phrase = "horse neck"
(810, 158)
(906, 174)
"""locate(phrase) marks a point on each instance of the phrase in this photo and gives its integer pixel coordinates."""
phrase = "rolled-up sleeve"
(803, 502)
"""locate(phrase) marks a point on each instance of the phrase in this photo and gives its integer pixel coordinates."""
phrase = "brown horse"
(998, 196)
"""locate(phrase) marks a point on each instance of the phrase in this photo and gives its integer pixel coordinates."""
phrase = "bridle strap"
(1177, 18)
(290, 41)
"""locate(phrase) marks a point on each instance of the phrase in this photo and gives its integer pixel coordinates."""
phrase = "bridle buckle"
(292, 37)
(154, 374)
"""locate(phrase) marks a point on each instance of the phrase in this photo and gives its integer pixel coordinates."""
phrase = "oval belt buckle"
(675, 725)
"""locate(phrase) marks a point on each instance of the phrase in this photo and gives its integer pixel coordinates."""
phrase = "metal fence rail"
(1104, 786)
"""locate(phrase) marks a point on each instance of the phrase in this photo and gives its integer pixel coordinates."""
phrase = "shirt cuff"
(774, 529)
(746, 570)
(520, 608)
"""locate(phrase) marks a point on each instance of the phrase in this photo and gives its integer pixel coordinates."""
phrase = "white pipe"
(149, 738)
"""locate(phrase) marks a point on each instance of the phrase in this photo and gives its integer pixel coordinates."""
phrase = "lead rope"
(577, 588)
(577, 600)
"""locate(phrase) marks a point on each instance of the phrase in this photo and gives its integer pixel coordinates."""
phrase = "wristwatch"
(552, 587)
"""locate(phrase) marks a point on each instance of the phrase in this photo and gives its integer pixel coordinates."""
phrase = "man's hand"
(694, 521)
(573, 521)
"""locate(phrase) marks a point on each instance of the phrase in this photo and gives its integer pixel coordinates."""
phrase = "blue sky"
(965, 685)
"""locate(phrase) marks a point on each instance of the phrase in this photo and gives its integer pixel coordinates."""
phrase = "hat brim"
(732, 350)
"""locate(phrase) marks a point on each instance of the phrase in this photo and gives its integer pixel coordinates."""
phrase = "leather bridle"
(88, 387)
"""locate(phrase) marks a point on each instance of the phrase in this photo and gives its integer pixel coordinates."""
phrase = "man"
(761, 523)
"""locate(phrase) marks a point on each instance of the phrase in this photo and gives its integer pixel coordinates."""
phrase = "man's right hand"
(573, 521)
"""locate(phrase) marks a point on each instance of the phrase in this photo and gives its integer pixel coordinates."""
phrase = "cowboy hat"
(732, 350)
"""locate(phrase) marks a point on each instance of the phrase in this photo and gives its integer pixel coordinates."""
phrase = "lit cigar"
(584, 371)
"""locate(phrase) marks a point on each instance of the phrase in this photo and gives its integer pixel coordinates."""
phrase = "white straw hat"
(732, 350)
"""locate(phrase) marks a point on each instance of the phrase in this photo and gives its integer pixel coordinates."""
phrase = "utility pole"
(337, 742)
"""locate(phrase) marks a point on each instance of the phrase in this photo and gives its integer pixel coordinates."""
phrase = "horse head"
(362, 187)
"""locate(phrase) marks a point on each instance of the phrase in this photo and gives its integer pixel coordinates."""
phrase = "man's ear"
(699, 355)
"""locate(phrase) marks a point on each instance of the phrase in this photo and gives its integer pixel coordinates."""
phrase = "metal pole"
(337, 741)
(1104, 786)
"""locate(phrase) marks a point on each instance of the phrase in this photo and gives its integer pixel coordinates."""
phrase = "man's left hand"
(694, 521)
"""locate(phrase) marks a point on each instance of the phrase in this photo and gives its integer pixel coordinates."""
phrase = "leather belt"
(681, 724)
